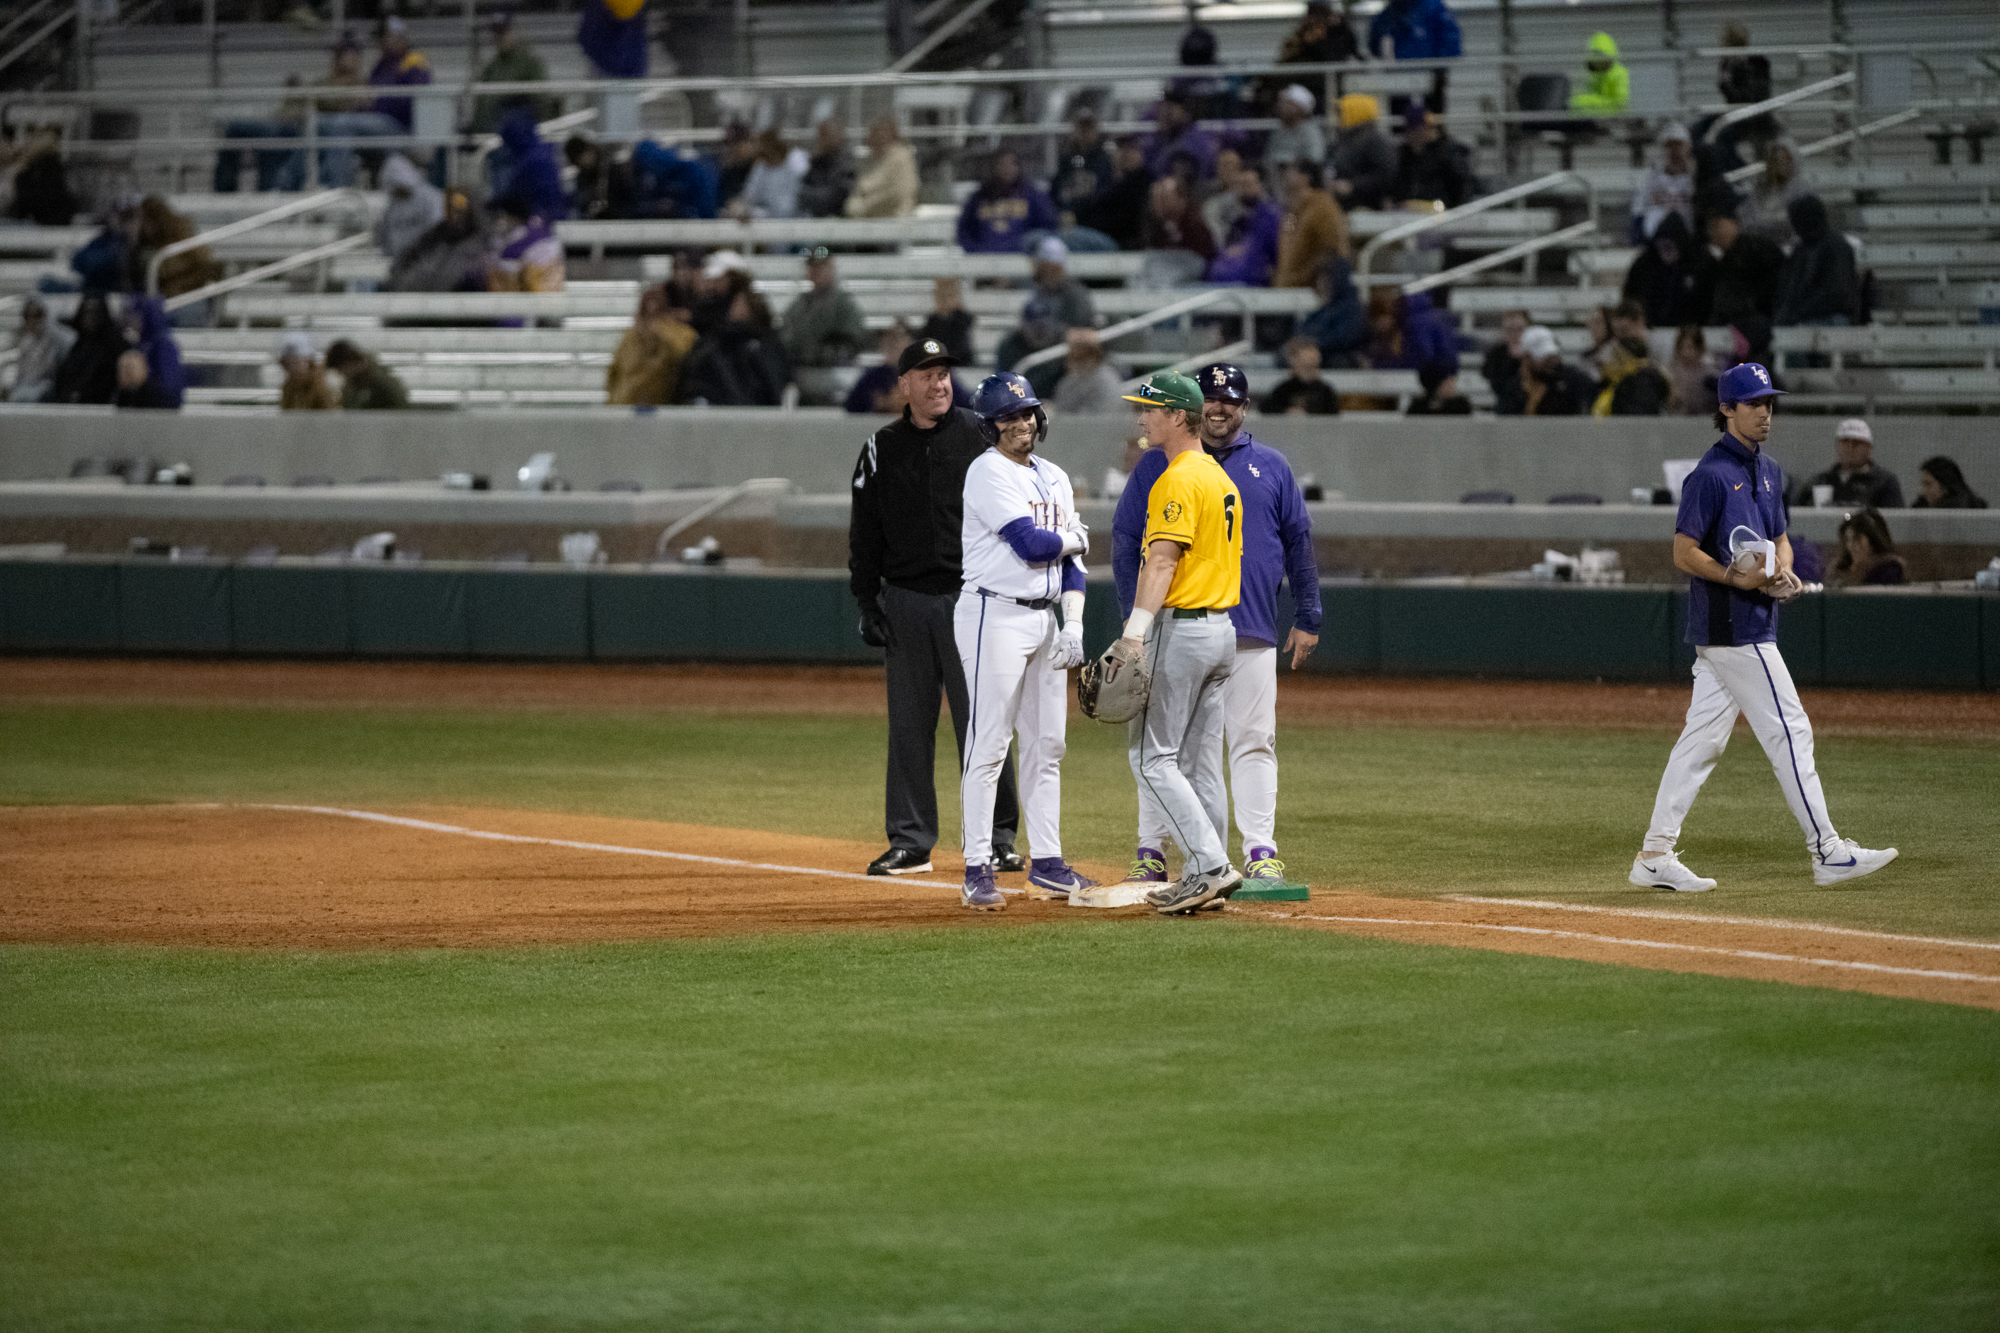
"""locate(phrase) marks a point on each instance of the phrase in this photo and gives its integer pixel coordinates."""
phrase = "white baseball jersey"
(1000, 492)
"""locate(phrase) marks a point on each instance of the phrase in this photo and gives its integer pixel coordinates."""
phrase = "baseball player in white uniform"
(1023, 556)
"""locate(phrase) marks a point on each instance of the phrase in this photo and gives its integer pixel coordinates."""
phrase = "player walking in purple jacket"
(1277, 546)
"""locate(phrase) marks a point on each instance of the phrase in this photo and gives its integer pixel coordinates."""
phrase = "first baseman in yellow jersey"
(1191, 576)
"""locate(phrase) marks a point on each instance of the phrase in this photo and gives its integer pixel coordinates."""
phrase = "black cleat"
(900, 861)
(1007, 861)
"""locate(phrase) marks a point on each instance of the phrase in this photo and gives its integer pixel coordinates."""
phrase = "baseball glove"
(1115, 687)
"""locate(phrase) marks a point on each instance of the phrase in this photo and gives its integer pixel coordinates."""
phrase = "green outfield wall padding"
(527, 613)
(174, 608)
(1908, 640)
(1802, 638)
(1989, 642)
(408, 612)
(290, 611)
(59, 607)
(1350, 636)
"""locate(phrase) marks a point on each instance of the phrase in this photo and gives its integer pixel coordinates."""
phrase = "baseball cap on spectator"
(1743, 384)
(297, 344)
(1537, 342)
(1299, 97)
(1674, 132)
(922, 353)
(724, 261)
(1854, 428)
(1356, 108)
(1051, 250)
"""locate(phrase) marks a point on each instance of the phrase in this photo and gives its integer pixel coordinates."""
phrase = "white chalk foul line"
(1775, 923)
(1757, 954)
(426, 824)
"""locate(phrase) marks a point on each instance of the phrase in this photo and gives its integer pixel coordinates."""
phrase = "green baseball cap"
(1167, 389)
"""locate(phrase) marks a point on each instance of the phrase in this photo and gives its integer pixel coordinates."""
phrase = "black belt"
(1195, 612)
(1037, 604)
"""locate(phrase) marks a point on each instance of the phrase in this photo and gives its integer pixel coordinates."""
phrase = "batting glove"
(1067, 651)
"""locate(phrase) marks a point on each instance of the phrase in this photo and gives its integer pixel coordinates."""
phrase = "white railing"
(1581, 232)
(1187, 305)
(1743, 113)
(741, 490)
(312, 203)
(1364, 263)
(1756, 169)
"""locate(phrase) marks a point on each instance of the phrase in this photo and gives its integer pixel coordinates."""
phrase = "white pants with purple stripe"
(1012, 689)
(1751, 680)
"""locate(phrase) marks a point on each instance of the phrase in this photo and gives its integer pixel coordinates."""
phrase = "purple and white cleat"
(980, 893)
(1055, 878)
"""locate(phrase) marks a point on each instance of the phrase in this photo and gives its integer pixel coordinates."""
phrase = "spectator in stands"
(1174, 131)
(1321, 38)
(1854, 477)
(612, 34)
(772, 188)
(1742, 80)
(514, 61)
(400, 66)
(305, 388)
(41, 186)
(1084, 168)
(1120, 211)
(1405, 332)
(1058, 304)
(1440, 397)
(887, 186)
(135, 386)
(450, 257)
(412, 208)
(1089, 384)
(1365, 162)
(1609, 89)
(1667, 187)
(1632, 385)
(1502, 366)
(277, 168)
(684, 284)
(525, 168)
(1207, 96)
(725, 275)
(1670, 279)
(347, 117)
(89, 373)
(1745, 269)
(151, 338)
(524, 254)
(1305, 391)
(1431, 166)
(829, 174)
(1867, 553)
(998, 216)
(1298, 136)
(1314, 229)
(1174, 223)
(949, 322)
(1549, 388)
(1339, 325)
(160, 227)
(1941, 485)
(1221, 208)
(824, 325)
(366, 385)
(735, 157)
(1817, 285)
(1692, 375)
(670, 183)
(603, 186)
(39, 349)
(1765, 209)
(741, 364)
(645, 371)
(105, 262)
(1598, 325)
(880, 389)
(1249, 254)
(1416, 30)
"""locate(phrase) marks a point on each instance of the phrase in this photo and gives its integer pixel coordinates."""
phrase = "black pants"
(922, 666)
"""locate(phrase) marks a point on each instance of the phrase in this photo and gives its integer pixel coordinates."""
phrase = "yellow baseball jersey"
(1195, 505)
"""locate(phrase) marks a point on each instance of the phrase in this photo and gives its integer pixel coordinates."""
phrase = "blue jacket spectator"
(1174, 133)
(1416, 30)
(613, 34)
(1339, 326)
(1003, 210)
(1251, 252)
(166, 379)
(1407, 332)
(670, 184)
(105, 263)
(530, 173)
(400, 66)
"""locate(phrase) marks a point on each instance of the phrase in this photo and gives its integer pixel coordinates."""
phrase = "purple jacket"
(406, 69)
(1277, 537)
(1428, 339)
(1197, 143)
(1252, 249)
(616, 46)
(997, 223)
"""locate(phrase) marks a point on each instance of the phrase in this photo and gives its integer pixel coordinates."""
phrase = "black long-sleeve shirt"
(909, 505)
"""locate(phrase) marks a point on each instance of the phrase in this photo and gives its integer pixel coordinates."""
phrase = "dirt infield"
(257, 877)
(1333, 700)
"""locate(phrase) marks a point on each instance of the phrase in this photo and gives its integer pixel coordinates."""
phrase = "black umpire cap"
(1224, 383)
(924, 352)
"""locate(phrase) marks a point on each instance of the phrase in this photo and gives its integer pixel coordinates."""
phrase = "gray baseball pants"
(1176, 743)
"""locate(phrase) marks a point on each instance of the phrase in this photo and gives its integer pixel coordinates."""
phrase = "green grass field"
(1091, 1125)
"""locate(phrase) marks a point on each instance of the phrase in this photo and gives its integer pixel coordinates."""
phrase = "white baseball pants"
(1012, 688)
(1751, 680)
(1176, 743)
(1250, 730)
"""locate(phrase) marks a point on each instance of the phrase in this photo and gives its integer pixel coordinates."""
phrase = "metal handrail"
(312, 203)
(1754, 169)
(303, 258)
(1196, 362)
(1773, 103)
(938, 36)
(754, 485)
(24, 16)
(1364, 262)
(1198, 301)
(1499, 257)
(41, 35)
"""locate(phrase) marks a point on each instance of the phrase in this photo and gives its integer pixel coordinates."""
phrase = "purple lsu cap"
(1745, 383)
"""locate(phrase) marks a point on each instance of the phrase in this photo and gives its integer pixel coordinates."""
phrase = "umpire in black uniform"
(904, 563)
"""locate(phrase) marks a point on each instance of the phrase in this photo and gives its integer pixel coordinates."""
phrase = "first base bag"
(1115, 687)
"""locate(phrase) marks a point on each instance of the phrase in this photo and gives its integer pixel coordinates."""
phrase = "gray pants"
(1176, 743)
(923, 667)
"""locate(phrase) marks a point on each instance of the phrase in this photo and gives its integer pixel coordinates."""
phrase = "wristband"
(1074, 543)
(1072, 609)
(1138, 623)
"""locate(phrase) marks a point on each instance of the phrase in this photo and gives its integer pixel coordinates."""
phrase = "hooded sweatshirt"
(663, 176)
(1428, 339)
(164, 375)
(1340, 327)
(414, 206)
(1609, 91)
(1419, 30)
(533, 178)
(1817, 283)
(1669, 277)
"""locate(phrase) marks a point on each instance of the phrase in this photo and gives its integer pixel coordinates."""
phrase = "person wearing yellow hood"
(1362, 166)
(1610, 87)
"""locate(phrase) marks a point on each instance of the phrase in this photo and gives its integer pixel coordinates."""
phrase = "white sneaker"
(1667, 872)
(1848, 860)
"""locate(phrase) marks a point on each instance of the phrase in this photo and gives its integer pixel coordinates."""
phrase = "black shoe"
(1007, 861)
(900, 861)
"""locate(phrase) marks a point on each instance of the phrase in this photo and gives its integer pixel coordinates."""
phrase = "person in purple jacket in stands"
(401, 65)
(1277, 546)
(1250, 253)
(998, 216)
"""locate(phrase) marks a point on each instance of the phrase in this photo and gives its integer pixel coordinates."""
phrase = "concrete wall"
(1370, 459)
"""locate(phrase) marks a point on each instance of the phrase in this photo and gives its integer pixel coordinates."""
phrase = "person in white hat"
(1298, 135)
(1549, 387)
(1667, 187)
(1857, 482)
(305, 388)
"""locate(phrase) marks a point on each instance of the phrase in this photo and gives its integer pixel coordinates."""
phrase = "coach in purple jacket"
(1277, 545)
